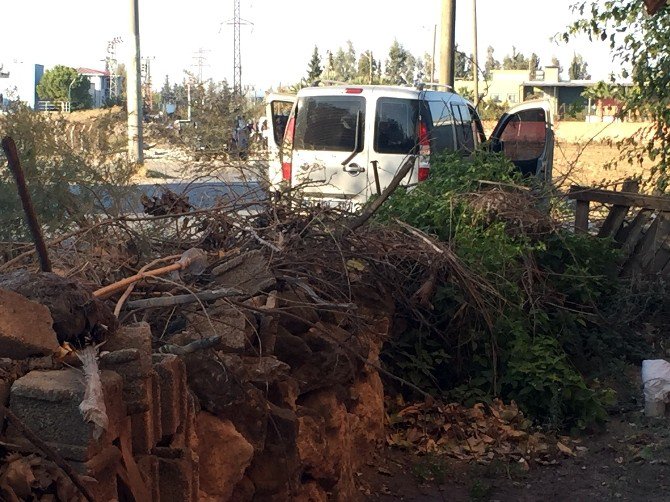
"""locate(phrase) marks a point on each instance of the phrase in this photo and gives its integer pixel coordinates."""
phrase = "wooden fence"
(638, 224)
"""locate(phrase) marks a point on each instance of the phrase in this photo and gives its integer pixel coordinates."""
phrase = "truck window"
(280, 112)
(442, 132)
(329, 123)
(463, 123)
(396, 123)
(525, 135)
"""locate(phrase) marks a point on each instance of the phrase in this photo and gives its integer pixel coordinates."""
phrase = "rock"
(220, 383)
(291, 349)
(311, 492)
(303, 311)
(264, 371)
(75, 312)
(225, 453)
(231, 324)
(244, 491)
(249, 272)
(133, 336)
(25, 327)
(368, 411)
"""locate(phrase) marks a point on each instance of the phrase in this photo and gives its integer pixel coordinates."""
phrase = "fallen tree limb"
(312, 294)
(370, 210)
(49, 452)
(170, 301)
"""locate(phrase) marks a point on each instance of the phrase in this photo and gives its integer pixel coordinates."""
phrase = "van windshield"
(396, 125)
(329, 123)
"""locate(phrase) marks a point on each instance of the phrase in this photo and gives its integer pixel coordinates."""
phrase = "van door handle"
(353, 168)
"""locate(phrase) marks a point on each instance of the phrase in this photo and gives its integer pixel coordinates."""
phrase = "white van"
(342, 144)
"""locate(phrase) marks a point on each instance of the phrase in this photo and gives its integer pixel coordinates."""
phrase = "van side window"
(396, 125)
(329, 123)
(442, 133)
(464, 133)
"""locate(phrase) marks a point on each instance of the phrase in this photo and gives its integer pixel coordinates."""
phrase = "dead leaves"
(481, 433)
(34, 478)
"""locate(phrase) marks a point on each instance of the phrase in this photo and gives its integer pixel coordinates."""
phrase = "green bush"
(539, 342)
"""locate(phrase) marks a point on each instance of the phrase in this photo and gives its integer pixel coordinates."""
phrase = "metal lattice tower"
(237, 49)
(111, 65)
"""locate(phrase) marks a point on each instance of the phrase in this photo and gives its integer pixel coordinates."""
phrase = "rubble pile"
(255, 378)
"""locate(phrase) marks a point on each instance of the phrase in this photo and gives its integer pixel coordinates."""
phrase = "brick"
(102, 469)
(148, 465)
(134, 336)
(172, 376)
(187, 435)
(135, 369)
(177, 474)
(156, 406)
(48, 403)
(25, 327)
(145, 432)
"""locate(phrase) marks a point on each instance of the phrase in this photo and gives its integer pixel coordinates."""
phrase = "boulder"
(25, 327)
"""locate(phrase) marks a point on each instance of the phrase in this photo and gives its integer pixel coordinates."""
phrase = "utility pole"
(135, 89)
(237, 23)
(475, 59)
(432, 59)
(200, 60)
(448, 42)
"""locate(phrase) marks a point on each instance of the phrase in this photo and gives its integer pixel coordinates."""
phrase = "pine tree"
(578, 69)
(314, 69)
(399, 65)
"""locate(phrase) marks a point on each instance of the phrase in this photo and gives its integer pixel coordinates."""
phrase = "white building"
(18, 82)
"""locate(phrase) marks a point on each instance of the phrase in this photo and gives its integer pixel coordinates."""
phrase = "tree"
(515, 61)
(400, 65)
(491, 62)
(641, 50)
(428, 69)
(367, 68)
(462, 65)
(314, 69)
(555, 62)
(62, 83)
(344, 63)
(533, 65)
(578, 69)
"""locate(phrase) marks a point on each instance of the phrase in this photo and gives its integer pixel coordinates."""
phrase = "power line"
(200, 61)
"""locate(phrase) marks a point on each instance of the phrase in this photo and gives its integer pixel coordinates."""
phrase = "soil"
(627, 460)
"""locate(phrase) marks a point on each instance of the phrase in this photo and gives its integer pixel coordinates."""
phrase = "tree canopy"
(63, 83)
(641, 50)
(578, 69)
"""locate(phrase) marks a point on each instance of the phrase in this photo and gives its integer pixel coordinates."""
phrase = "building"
(509, 87)
(18, 82)
(101, 81)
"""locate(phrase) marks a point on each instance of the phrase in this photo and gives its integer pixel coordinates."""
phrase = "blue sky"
(277, 47)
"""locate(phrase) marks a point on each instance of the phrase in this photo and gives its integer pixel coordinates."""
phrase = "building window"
(511, 98)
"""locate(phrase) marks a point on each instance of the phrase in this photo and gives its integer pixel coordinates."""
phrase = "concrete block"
(148, 465)
(102, 469)
(133, 336)
(172, 376)
(48, 403)
(25, 327)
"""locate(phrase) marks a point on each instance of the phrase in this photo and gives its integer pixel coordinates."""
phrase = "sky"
(277, 47)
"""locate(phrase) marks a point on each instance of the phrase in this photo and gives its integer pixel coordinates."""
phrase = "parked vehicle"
(342, 144)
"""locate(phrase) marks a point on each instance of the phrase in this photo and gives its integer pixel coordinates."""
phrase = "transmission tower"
(111, 66)
(200, 60)
(237, 23)
(145, 73)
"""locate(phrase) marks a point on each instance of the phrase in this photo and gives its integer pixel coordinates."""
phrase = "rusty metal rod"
(12, 154)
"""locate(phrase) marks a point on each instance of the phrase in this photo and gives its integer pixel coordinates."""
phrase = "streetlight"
(69, 92)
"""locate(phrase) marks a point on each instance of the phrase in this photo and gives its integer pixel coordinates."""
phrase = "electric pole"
(448, 42)
(134, 93)
(475, 59)
(237, 23)
(200, 62)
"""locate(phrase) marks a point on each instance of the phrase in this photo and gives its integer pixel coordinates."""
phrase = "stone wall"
(284, 408)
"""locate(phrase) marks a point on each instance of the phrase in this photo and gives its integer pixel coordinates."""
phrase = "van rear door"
(329, 154)
(525, 135)
(277, 111)
(396, 128)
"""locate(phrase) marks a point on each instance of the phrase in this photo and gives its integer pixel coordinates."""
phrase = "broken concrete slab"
(26, 327)
(249, 273)
(47, 402)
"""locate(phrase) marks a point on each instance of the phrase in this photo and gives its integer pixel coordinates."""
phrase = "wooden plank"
(638, 252)
(618, 213)
(661, 230)
(660, 203)
(628, 236)
(582, 216)
(660, 261)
